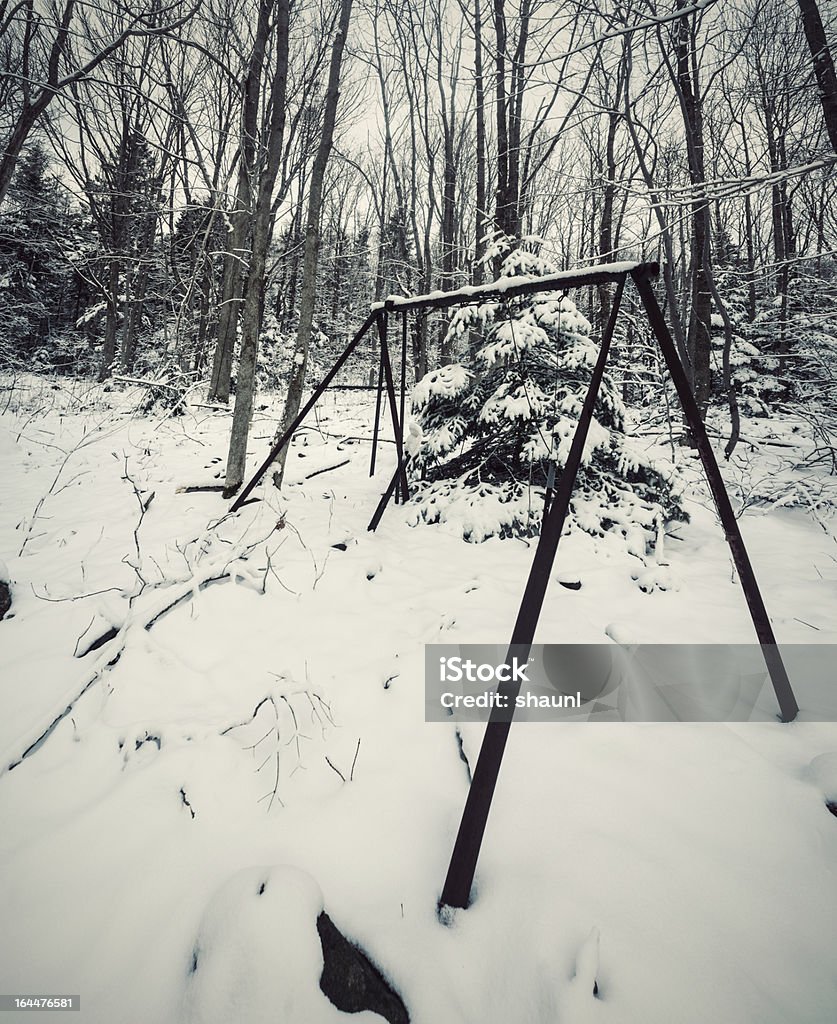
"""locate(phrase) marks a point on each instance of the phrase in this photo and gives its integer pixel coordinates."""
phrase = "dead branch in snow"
(319, 570)
(246, 721)
(326, 469)
(143, 504)
(174, 593)
(333, 768)
(40, 504)
(145, 383)
(73, 597)
(284, 733)
(189, 592)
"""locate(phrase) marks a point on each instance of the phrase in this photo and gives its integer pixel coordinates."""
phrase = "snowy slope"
(688, 869)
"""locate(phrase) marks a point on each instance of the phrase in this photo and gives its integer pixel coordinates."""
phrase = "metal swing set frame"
(456, 892)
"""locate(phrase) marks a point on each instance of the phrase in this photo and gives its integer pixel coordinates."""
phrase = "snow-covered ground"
(267, 729)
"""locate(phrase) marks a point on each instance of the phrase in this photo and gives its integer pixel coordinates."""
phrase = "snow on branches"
(491, 436)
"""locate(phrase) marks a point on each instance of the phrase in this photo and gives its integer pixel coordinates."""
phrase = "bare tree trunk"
(312, 237)
(108, 343)
(482, 221)
(509, 115)
(729, 386)
(111, 318)
(664, 226)
(515, 118)
(133, 320)
(291, 262)
(262, 223)
(203, 316)
(698, 340)
(242, 216)
(606, 222)
(501, 207)
(448, 232)
(231, 287)
(135, 291)
(447, 237)
(823, 65)
(748, 228)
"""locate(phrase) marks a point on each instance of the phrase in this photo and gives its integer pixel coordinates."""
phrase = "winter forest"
(223, 796)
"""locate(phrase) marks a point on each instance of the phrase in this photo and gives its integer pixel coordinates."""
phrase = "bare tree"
(49, 58)
(240, 216)
(685, 78)
(312, 240)
(261, 231)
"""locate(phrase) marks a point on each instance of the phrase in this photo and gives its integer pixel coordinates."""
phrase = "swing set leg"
(463, 863)
(761, 621)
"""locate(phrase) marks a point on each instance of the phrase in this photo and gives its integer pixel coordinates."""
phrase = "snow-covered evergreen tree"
(753, 368)
(491, 436)
(37, 231)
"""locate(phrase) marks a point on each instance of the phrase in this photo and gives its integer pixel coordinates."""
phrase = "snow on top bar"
(565, 278)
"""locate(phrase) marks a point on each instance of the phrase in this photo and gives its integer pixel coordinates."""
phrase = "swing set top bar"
(504, 288)
(509, 287)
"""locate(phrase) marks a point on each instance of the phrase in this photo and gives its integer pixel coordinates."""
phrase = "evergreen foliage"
(493, 435)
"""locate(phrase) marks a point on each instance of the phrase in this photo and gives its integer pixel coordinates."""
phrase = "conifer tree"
(495, 436)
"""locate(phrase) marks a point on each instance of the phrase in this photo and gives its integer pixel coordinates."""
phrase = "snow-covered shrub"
(276, 348)
(276, 354)
(491, 434)
(784, 345)
(66, 352)
(170, 388)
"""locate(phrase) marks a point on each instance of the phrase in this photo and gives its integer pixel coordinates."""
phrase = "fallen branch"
(36, 513)
(753, 442)
(26, 745)
(188, 593)
(165, 599)
(75, 597)
(247, 721)
(326, 469)
(145, 383)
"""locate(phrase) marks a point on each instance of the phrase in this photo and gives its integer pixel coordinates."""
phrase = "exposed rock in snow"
(258, 955)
